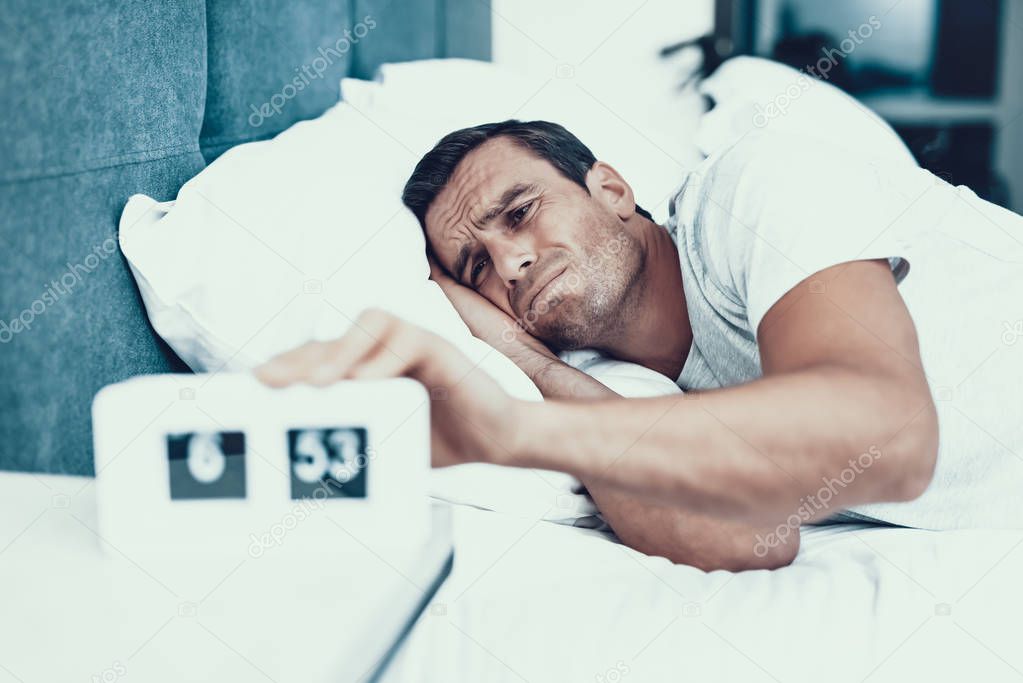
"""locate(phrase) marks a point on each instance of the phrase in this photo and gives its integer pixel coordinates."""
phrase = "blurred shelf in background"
(946, 74)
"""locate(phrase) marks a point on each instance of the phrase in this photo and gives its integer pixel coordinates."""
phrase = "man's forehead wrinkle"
(442, 215)
(456, 233)
(472, 189)
(473, 185)
(459, 235)
(464, 200)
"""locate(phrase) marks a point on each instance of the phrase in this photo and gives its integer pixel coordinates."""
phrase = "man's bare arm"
(842, 378)
(681, 536)
(842, 381)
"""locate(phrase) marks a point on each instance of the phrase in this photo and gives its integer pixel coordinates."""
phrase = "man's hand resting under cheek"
(498, 329)
(471, 417)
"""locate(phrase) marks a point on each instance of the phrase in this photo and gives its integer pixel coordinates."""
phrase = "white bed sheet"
(534, 601)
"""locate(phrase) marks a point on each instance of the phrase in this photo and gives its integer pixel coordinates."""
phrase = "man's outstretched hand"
(471, 417)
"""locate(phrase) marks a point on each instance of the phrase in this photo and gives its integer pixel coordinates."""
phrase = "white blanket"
(534, 601)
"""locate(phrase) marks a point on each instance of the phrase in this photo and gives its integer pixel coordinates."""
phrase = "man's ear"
(607, 186)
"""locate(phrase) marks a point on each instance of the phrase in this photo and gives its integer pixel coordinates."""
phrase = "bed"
(535, 601)
(533, 595)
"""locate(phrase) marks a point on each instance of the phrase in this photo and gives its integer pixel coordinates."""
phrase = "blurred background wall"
(947, 74)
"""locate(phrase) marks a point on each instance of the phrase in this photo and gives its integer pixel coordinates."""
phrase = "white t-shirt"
(754, 220)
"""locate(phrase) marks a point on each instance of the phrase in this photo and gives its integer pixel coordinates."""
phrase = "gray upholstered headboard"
(107, 98)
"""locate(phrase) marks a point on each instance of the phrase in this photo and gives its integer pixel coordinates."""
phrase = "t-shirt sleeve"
(774, 212)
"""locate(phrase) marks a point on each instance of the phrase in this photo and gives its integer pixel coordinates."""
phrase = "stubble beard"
(594, 312)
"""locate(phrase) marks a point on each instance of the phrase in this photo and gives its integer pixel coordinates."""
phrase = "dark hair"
(547, 140)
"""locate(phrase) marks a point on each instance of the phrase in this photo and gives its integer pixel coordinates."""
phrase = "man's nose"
(511, 260)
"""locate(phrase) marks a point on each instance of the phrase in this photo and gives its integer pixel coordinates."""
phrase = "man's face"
(540, 247)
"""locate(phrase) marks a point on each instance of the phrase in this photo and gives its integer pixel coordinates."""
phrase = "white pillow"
(420, 102)
(278, 242)
(753, 93)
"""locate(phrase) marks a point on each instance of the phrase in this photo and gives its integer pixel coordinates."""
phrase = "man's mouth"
(543, 289)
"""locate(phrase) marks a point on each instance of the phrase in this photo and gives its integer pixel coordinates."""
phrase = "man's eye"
(477, 268)
(520, 213)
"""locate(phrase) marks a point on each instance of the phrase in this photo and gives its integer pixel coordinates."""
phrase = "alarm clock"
(218, 462)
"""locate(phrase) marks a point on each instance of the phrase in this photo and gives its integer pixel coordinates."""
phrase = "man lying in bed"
(772, 294)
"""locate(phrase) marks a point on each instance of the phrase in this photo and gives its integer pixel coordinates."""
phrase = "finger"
(321, 363)
(408, 349)
(371, 330)
(383, 363)
(291, 366)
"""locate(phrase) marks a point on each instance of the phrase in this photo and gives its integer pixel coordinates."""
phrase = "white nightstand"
(72, 609)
